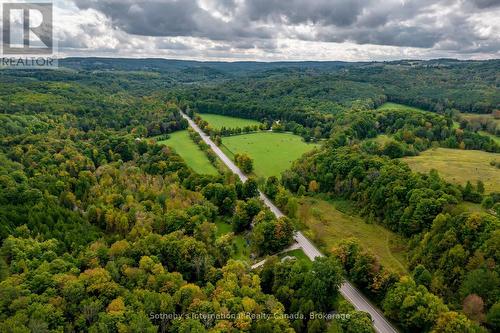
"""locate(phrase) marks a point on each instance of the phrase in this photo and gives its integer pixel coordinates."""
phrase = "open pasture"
(190, 152)
(458, 166)
(219, 121)
(327, 225)
(271, 152)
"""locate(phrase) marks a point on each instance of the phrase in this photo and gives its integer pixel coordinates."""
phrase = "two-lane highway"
(353, 295)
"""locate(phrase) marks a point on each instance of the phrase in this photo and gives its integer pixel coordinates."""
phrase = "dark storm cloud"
(486, 3)
(226, 7)
(396, 36)
(172, 18)
(324, 12)
(249, 24)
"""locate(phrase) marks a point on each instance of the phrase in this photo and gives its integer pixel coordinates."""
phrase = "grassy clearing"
(299, 254)
(459, 166)
(223, 228)
(470, 116)
(242, 249)
(218, 121)
(327, 225)
(271, 152)
(469, 207)
(483, 118)
(382, 139)
(394, 106)
(494, 137)
(190, 152)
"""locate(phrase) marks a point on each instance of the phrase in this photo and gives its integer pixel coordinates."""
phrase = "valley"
(122, 194)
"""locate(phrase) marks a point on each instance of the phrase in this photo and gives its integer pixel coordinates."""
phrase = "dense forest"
(102, 229)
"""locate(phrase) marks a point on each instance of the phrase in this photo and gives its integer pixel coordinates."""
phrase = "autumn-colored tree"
(244, 162)
(473, 307)
(313, 186)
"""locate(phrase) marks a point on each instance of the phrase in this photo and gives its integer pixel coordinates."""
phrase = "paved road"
(353, 295)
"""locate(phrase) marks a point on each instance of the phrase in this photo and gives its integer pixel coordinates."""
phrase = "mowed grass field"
(328, 226)
(298, 254)
(218, 121)
(393, 106)
(459, 166)
(271, 152)
(190, 152)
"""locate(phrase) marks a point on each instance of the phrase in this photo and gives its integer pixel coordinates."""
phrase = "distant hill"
(172, 65)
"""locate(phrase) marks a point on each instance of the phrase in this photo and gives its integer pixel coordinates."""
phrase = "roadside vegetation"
(328, 223)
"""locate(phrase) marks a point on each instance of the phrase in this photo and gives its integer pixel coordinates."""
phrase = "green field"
(271, 152)
(298, 254)
(395, 106)
(218, 121)
(190, 152)
(459, 166)
(327, 226)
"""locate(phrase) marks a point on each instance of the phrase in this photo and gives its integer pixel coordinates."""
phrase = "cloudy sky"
(279, 29)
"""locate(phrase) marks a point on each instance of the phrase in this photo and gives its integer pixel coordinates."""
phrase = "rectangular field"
(395, 106)
(458, 166)
(271, 152)
(327, 225)
(218, 121)
(190, 152)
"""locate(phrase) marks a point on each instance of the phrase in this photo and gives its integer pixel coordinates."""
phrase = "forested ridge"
(101, 228)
